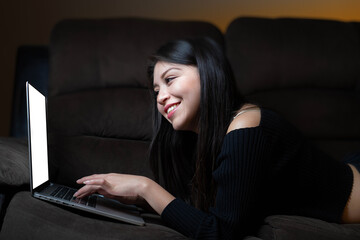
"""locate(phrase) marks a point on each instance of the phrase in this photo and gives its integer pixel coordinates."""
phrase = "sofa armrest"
(14, 162)
(14, 170)
(282, 227)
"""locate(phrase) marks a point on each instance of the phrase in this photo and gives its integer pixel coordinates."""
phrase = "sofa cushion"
(282, 227)
(29, 217)
(122, 113)
(317, 113)
(78, 156)
(99, 131)
(14, 162)
(103, 53)
(293, 53)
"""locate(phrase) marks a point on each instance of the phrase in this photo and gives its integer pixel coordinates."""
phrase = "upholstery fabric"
(14, 164)
(49, 221)
(98, 132)
(293, 53)
(283, 227)
(14, 170)
(122, 113)
(89, 54)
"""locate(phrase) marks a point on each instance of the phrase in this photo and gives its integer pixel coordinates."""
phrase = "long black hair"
(181, 161)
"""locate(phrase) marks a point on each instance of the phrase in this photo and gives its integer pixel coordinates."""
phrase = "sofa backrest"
(99, 102)
(308, 70)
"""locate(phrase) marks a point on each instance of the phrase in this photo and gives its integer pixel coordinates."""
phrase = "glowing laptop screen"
(38, 136)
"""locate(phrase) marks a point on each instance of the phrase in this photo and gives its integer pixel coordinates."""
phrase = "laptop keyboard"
(68, 194)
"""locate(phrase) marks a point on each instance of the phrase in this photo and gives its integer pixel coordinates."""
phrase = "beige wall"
(30, 22)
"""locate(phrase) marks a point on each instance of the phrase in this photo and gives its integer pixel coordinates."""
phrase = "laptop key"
(55, 191)
(87, 201)
(62, 193)
(69, 195)
(92, 201)
(84, 200)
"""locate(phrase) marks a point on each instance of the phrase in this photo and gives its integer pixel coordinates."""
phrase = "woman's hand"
(124, 188)
(129, 189)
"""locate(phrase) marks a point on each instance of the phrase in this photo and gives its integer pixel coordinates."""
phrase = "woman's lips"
(170, 109)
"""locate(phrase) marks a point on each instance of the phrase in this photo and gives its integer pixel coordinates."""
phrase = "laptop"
(42, 188)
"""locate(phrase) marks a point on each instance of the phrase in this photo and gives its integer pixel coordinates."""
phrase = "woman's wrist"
(156, 196)
(145, 186)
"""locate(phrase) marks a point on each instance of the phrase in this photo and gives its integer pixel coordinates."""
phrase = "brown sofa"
(99, 112)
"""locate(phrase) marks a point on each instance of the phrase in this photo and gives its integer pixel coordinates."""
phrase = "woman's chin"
(183, 128)
(177, 127)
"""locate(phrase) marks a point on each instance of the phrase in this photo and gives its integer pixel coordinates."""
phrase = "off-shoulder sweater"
(265, 170)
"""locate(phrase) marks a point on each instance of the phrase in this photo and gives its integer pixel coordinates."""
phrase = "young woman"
(222, 165)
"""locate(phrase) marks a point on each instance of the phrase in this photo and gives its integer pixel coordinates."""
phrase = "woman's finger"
(86, 191)
(99, 181)
(94, 176)
(83, 179)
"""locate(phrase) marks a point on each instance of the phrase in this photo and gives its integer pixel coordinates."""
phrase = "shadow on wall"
(32, 65)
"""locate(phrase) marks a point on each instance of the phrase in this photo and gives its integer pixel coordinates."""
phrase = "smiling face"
(178, 94)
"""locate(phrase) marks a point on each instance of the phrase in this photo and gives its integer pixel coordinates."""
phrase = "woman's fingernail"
(87, 181)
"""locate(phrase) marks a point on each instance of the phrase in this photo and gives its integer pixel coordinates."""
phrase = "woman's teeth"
(172, 108)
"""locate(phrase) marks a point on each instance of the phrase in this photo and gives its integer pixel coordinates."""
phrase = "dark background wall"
(29, 22)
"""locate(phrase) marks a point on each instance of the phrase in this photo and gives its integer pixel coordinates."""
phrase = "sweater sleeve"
(239, 173)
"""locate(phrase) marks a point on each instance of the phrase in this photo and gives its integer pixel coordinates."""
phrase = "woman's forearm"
(156, 196)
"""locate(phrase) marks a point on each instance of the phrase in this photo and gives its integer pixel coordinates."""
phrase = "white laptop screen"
(38, 137)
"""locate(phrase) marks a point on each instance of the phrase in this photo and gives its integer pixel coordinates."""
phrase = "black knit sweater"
(265, 170)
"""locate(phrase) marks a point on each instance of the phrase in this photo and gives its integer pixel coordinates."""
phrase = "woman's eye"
(169, 79)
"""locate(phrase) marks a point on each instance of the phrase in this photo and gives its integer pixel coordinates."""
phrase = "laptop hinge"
(42, 187)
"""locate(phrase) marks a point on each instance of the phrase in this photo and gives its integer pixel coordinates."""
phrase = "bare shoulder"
(246, 117)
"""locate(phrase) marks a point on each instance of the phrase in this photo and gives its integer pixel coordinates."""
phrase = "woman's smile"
(170, 109)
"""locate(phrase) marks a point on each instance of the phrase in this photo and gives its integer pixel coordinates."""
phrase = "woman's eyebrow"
(172, 68)
(164, 73)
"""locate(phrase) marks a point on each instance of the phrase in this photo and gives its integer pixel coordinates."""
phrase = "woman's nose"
(162, 97)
